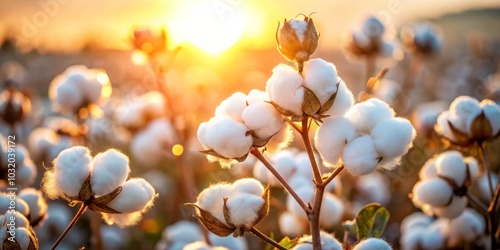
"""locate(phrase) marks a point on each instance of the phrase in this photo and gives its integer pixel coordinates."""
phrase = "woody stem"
(71, 224)
(265, 238)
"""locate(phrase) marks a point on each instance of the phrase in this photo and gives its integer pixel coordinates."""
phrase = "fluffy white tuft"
(232, 107)
(451, 165)
(424, 192)
(35, 201)
(243, 209)
(263, 119)
(429, 170)
(332, 211)
(393, 137)
(360, 156)
(321, 78)
(492, 112)
(366, 115)
(332, 137)
(300, 27)
(111, 170)
(343, 101)
(285, 89)
(373, 244)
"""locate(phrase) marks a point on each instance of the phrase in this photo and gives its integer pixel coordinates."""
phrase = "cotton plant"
(57, 134)
(24, 239)
(100, 183)
(357, 137)
(79, 87)
(328, 242)
(422, 38)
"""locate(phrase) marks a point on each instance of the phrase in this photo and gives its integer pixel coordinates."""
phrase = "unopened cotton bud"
(232, 107)
(71, 168)
(393, 137)
(297, 39)
(285, 89)
(451, 165)
(226, 137)
(111, 169)
(360, 156)
(373, 244)
(366, 115)
(332, 137)
(425, 192)
(321, 77)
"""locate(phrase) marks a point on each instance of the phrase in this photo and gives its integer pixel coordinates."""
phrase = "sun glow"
(209, 27)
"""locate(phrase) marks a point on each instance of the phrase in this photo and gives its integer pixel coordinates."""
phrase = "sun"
(208, 27)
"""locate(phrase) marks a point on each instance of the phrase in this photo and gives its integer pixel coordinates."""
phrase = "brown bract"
(289, 44)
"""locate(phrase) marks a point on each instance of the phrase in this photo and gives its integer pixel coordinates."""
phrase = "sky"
(213, 25)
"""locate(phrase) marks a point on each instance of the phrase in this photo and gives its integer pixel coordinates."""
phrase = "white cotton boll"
(375, 187)
(332, 137)
(243, 209)
(256, 96)
(151, 145)
(300, 27)
(343, 101)
(35, 201)
(328, 242)
(92, 88)
(473, 167)
(373, 27)
(366, 115)
(373, 244)
(321, 77)
(412, 239)
(435, 192)
(122, 220)
(492, 112)
(484, 186)
(451, 165)
(442, 125)
(72, 167)
(227, 137)
(20, 219)
(428, 171)
(332, 211)
(183, 231)
(21, 205)
(136, 195)
(22, 237)
(111, 170)
(307, 195)
(435, 235)
(360, 156)
(466, 228)
(39, 142)
(285, 89)
(212, 200)
(26, 174)
(263, 119)
(201, 245)
(393, 137)
(415, 220)
(248, 186)
(232, 107)
(465, 107)
(68, 97)
(292, 225)
(284, 163)
(229, 242)
(453, 210)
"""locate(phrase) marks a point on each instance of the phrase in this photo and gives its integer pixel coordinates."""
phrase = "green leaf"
(288, 243)
(350, 226)
(371, 221)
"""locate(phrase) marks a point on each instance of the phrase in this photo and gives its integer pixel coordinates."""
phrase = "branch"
(332, 175)
(71, 224)
(318, 179)
(264, 237)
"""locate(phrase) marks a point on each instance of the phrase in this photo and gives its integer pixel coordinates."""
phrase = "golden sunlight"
(210, 27)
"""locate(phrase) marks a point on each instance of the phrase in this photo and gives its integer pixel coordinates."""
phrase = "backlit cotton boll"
(366, 115)
(232, 107)
(321, 77)
(153, 144)
(332, 137)
(328, 242)
(297, 39)
(466, 228)
(23, 235)
(424, 192)
(26, 170)
(451, 165)
(135, 114)
(5, 203)
(111, 170)
(284, 88)
(44, 143)
(245, 203)
(135, 198)
(36, 203)
(372, 244)
(393, 137)
(360, 156)
(226, 137)
(79, 86)
(263, 119)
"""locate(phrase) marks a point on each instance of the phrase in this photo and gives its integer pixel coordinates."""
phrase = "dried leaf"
(86, 190)
(105, 199)
(481, 128)
(461, 138)
(288, 243)
(282, 110)
(102, 208)
(311, 104)
(211, 223)
(227, 217)
(329, 103)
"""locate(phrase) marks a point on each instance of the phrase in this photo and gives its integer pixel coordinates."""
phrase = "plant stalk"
(265, 238)
(71, 224)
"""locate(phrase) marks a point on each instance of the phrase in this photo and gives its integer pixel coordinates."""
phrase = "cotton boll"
(256, 96)
(321, 77)
(39, 142)
(261, 173)
(393, 137)
(328, 242)
(412, 239)
(243, 209)
(484, 186)
(442, 125)
(435, 236)
(226, 137)
(67, 97)
(26, 173)
(300, 27)
(307, 195)
(435, 192)
(292, 225)
(343, 101)
(111, 170)
(182, 231)
(284, 163)
(492, 112)
(465, 107)
(232, 107)
(473, 166)
(263, 119)
(248, 186)
(36, 203)
(373, 244)
(212, 200)
(428, 171)
(332, 137)
(375, 187)
(72, 167)
(152, 144)
(332, 210)
(298, 181)
(136, 113)
(373, 27)
(366, 115)
(360, 156)
(20, 219)
(136, 195)
(21, 205)
(451, 165)
(415, 220)
(303, 165)
(454, 209)
(229, 242)
(22, 237)
(466, 228)
(284, 88)
(388, 91)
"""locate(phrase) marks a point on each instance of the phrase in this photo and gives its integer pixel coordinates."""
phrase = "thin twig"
(494, 199)
(265, 238)
(310, 152)
(281, 179)
(477, 203)
(487, 166)
(71, 224)
(332, 175)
